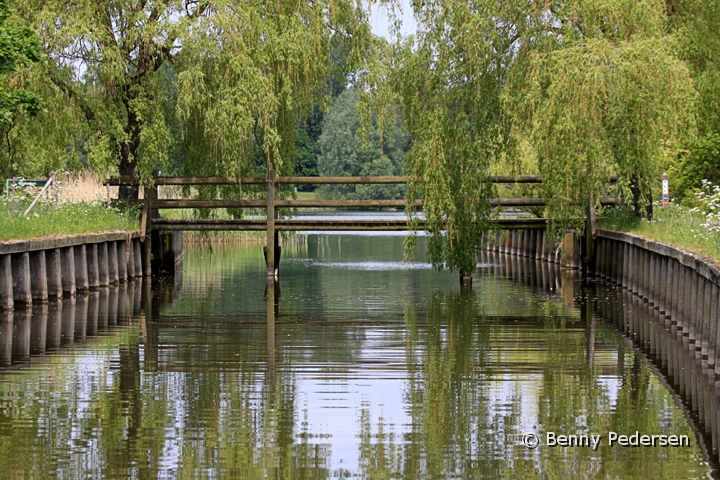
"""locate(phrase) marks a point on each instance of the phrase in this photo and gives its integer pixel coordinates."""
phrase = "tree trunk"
(637, 195)
(128, 156)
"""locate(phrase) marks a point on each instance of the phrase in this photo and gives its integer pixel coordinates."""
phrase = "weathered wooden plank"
(188, 203)
(341, 180)
(130, 180)
(330, 225)
(162, 204)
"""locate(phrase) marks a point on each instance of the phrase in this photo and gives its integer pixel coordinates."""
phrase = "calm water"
(357, 366)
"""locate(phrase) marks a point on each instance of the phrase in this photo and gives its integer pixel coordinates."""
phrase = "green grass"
(64, 218)
(673, 225)
(307, 195)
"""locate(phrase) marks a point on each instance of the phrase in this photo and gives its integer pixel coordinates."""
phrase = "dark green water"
(358, 366)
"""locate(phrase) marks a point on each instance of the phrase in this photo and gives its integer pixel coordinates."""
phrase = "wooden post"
(137, 257)
(38, 277)
(54, 273)
(511, 243)
(661, 303)
(626, 265)
(113, 275)
(103, 264)
(270, 248)
(6, 283)
(148, 215)
(93, 272)
(713, 323)
(122, 263)
(81, 269)
(22, 293)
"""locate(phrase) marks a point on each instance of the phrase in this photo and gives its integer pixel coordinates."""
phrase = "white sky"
(379, 20)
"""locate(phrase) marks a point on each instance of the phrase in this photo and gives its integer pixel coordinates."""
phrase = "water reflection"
(351, 373)
(678, 363)
(28, 334)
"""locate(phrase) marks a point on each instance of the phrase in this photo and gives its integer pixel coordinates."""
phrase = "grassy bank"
(691, 229)
(62, 218)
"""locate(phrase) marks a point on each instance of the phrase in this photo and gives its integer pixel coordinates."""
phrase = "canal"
(358, 366)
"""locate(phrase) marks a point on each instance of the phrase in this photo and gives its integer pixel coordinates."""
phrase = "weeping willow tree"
(242, 92)
(602, 93)
(588, 87)
(218, 85)
(697, 42)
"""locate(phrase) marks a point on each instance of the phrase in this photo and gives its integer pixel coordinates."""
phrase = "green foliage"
(19, 48)
(242, 94)
(697, 43)
(203, 88)
(610, 98)
(587, 87)
(701, 161)
(342, 153)
(448, 82)
(309, 133)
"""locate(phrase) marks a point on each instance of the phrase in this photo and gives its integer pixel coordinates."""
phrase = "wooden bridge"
(152, 222)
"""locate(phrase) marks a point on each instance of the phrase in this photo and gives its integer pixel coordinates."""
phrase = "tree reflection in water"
(380, 372)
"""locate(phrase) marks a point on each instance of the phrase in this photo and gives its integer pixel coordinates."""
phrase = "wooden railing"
(272, 224)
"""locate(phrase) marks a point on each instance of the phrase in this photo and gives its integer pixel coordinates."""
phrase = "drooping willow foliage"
(256, 71)
(448, 80)
(697, 43)
(204, 87)
(589, 87)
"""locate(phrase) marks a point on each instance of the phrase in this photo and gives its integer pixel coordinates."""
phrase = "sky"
(380, 24)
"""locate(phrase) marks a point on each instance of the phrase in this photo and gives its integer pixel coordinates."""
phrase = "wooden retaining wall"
(681, 286)
(41, 270)
(532, 243)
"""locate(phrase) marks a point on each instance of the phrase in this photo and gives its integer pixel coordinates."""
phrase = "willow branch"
(74, 96)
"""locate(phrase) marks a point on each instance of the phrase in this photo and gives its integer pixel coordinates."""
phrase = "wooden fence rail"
(129, 180)
(273, 224)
